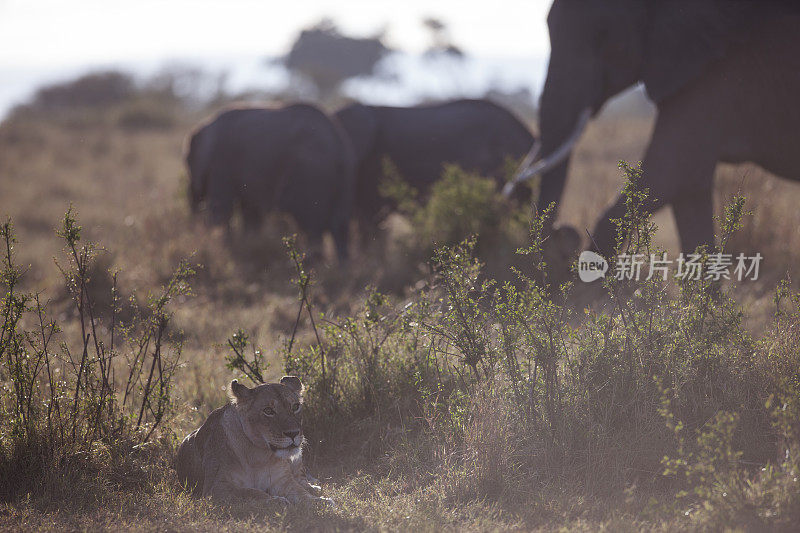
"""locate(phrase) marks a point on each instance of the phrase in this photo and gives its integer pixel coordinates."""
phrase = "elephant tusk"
(509, 188)
(530, 157)
(527, 171)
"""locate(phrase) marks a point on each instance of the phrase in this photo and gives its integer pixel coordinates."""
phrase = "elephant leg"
(678, 168)
(219, 213)
(694, 216)
(679, 164)
(692, 208)
(316, 251)
(252, 218)
(370, 233)
(220, 202)
(341, 234)
(604, 236)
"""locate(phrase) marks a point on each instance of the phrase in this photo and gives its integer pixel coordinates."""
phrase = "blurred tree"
(327, 58)
(186, 83)
(95, 89)
(441, 42)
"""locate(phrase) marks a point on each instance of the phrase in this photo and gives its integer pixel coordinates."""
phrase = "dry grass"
(127, 185)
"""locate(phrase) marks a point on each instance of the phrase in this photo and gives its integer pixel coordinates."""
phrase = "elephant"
(477, 135)
(294, 159)
(725, 78)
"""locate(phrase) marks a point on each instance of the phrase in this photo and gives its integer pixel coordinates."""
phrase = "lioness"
(250, 448)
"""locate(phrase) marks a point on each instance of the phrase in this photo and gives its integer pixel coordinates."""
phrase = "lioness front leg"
(307, 481)
(295, 491)
(227, 492)
(314, 489)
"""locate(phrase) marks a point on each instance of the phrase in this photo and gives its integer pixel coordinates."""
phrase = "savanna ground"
(436, 400)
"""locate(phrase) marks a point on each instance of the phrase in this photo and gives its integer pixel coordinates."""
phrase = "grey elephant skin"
(724, 74)
(476, 135)
(293, 159)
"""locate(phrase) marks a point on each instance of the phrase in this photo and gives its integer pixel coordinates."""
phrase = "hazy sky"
(45, 33)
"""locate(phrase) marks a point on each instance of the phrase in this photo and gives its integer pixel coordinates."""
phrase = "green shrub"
(461, 205)
(64, 402)
(501, 381)
(721, 491)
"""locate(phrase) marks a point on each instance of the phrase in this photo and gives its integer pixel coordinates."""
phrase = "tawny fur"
(249, 449)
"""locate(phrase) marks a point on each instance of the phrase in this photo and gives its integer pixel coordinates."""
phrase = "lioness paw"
(327, 502)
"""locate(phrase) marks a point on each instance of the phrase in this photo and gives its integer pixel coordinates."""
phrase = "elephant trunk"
(564, 113)
(194, 202)
(530, 167)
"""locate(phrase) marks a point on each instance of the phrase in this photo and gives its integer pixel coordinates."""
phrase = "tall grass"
(496, 388)
(63, 400)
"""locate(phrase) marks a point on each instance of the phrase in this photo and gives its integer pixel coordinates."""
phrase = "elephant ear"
(360, 125)
(684, 37)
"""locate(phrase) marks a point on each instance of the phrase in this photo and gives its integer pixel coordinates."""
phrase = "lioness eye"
(269, 411)
(295, 407)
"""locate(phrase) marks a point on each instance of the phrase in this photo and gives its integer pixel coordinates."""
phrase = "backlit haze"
(43, 41)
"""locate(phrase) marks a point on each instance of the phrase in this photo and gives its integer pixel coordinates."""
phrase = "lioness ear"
(293, 382)
(237, 391)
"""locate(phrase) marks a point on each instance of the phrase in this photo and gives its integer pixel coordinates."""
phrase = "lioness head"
(271, 414)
